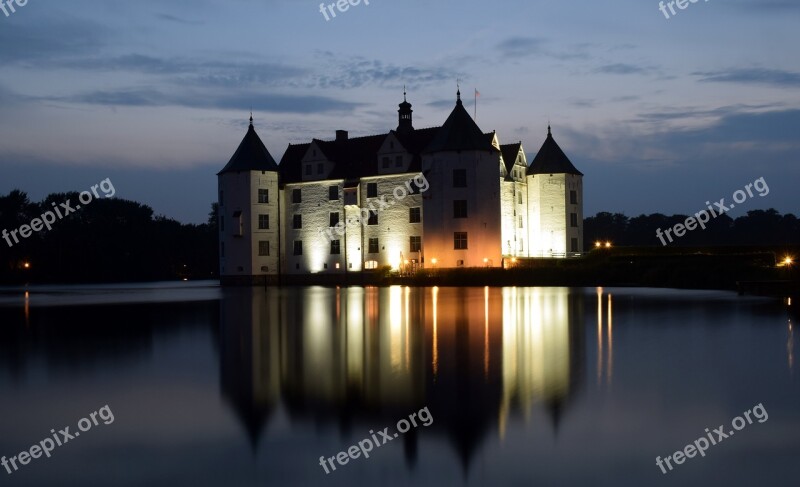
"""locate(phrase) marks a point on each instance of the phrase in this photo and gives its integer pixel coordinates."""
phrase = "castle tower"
(404, 116)
(555, 203)
(462, 209)
(249, 210)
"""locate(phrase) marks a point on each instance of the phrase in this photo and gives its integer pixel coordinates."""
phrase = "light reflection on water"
(304, 372)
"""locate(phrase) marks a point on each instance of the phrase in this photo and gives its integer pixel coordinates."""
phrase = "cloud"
(773, 77)
(521, 46)
(269, 103)
(622, 68)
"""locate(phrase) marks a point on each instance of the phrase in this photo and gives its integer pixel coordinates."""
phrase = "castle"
(440, 197)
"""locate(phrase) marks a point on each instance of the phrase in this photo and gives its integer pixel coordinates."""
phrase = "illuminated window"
(335, 247)
(460, 209)
(459, 178)
(371, 264)
(460, 240)
(373, 246)
(263, 196)
(520, 221)
(263, 222)
(263, 248)
(414, 215)
(415, 243)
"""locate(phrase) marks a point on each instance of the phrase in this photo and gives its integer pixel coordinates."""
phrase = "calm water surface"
(526, 386)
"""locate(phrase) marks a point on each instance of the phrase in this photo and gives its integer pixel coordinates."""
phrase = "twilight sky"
(660, 114)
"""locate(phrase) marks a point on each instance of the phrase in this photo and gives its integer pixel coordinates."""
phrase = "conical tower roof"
(551, 159)
(252, 155)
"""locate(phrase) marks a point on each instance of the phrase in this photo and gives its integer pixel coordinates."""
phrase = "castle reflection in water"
(363, 357)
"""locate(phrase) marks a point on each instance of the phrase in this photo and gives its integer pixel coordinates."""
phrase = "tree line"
(109, 240)
(757, 227)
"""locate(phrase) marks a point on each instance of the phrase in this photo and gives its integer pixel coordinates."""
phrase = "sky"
(660, 114)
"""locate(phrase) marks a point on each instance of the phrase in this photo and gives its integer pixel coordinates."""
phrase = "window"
(460, 209)
(320, 168)
(334, 219)
(414, 215)
(386, 162)
(574, 245)
(415, 243)
(459, 178)
(373, 217)
(520, 222)
(398, 161)
(263, 248)
(297, 197)
(297, 222)
(298, 247)
(221, 223)
(263, 196)
(371, 264)
(573, 197)
(308, 169)
(333, 193)
(237, 217)
(519, 197)
(372, 190)
(335, 247)
(460, 240)
(221, 198)
(263, 222)
(373, 246)
(573, 220)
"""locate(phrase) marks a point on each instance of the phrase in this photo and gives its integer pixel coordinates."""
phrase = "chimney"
(341, 135)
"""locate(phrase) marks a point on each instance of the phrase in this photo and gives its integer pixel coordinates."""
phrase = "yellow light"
(608, 245)
(598, 244)
(434, 261)
(485, 260)
(787, 260)
(26, 265)
(513, 260)
(406, 261)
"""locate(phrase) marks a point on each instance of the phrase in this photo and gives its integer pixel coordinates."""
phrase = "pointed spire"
(549, 133)
(404, 93)
(251, 118)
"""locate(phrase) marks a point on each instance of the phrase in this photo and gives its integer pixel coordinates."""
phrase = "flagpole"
(476, 106)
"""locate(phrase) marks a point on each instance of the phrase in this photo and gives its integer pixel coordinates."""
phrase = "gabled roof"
(252, 155)
(459, 133)
(510, 153)
(551, 159)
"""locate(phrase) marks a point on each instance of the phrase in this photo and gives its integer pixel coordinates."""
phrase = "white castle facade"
(441, 197)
